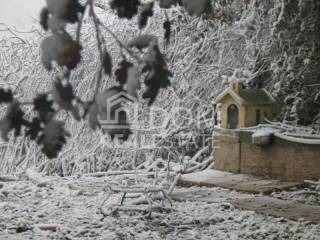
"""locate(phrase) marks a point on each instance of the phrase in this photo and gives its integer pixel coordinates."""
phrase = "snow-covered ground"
(72, 204)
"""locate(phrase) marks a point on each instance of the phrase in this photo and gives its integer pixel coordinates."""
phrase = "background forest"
(274, 44)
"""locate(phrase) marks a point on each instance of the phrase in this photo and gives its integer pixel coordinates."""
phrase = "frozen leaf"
(133, 83)
(151, 93)
(146, 12)
(13, 120)
(93, 116)
(44, 17)
(34, 128)
(56, 24)
(196, 7)
(53, 138)
(62, 49)
(42, 104)
(49, 51)
(161, 74)
(153, 55)
(91, 109)
(6, 96)
(141, 41)
(167, 30)
(122, 72)
(5, 127)
(107, 63)
(125, 8)
(70, 56)
(64, 97)
(158, 75)
(66, 10)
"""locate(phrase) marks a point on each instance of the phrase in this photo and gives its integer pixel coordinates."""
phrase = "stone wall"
(226, 150)
(282, 159)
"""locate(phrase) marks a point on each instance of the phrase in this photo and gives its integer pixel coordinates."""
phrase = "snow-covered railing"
(301, 135)
(296, 139)
(285, 132)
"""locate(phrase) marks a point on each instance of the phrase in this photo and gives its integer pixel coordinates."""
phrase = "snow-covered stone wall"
(282, 159)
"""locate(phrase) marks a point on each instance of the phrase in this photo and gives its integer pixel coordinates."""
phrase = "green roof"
(256, 96)
(248, 96)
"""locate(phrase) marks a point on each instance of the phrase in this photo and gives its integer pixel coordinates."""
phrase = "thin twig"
(121, 44)
(99, 45)
(81, 21)
(174, 184)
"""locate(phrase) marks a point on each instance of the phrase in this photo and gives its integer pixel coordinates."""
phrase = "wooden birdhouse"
(242, 107)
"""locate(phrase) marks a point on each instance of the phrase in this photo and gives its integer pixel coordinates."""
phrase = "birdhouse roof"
(248, 96)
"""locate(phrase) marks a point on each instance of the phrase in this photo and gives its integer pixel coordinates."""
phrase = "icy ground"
(72, 204)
